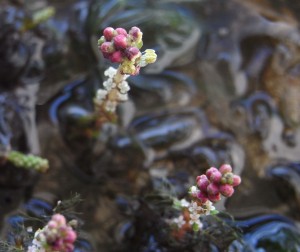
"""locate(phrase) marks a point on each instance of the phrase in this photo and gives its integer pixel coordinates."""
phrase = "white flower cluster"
(195, 212)
(113, 92)
(37, 242)
(208, 207)
(179, 221)
(110, 72)
(184, 203)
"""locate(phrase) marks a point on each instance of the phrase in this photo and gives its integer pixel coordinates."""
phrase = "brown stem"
(119, 77)
(101, 114)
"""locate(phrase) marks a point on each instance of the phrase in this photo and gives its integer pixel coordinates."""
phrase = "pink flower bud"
(51, 237)
(107, 47)
(203, 183)
(212, 189)
(201, 177)
(135, 32)
(202, 196)
(108, 33)
(225, 168)
(132, 53)
(216, 177)
(214, 198)
(52, 224)
(106, 55)
(71, 236)
(226, 190)
(121, 31)
(236, 180)
(58, 244)
(120, 41)
(116, 57)
(210, 171)
(59, 219)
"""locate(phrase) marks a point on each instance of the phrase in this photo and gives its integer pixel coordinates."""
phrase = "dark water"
(225, 89)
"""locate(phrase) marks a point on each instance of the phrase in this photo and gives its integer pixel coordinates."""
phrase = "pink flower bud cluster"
(57, 235)
(216, 183)
(121, 47)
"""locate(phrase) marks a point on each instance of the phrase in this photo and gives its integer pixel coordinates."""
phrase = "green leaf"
(213, 212)
(195, 227)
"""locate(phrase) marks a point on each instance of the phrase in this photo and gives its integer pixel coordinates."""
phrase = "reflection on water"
(225, 89)
(268, 233)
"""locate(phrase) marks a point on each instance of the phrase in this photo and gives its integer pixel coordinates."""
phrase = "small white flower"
(197, 222)
(194, 220)
(33, 248)
(194, 208)
(142, 62)
(179, 221)
(122, 97)
(194, 191)
(109, 84)
(124, 87)
(110, 106)
(37, 242)
(184, 203)
(101, 94)
(208, 207)
(110, 72)
(194, 217)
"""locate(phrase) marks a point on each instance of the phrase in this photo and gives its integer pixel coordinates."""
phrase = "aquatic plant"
(57, 235)
(208, 190)
(121, 47)
(42, 227)
(167, 219)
